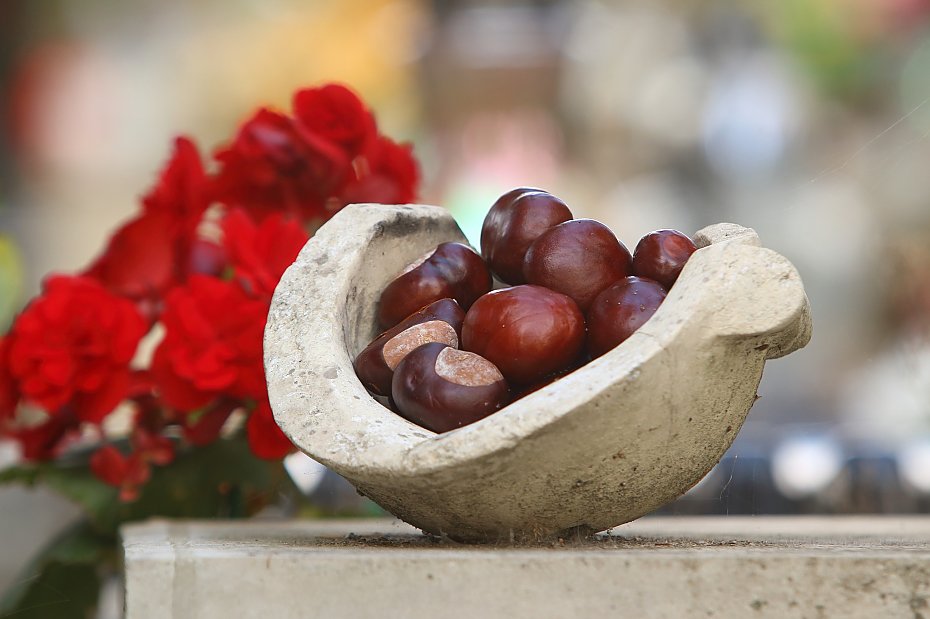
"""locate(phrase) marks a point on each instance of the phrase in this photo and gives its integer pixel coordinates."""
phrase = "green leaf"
(11, 281)
(24, 475)
(220, 480)
(75, 483)
(824, 39)
(62, 581)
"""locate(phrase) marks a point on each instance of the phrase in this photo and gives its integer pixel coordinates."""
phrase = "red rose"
(152, 446)
(72, 346)
(48, 439)
(272, 167)
(128, 473)
(212, 344)
(260, 254)
(140, 262)
(336, 114)
(207, 258)
(156, 250)
(182, 188)
(204, 428)
(42, 441)
(9, 394)
(266, 440)
(388, 174)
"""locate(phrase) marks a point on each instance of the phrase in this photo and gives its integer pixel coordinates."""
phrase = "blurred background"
(808, 120)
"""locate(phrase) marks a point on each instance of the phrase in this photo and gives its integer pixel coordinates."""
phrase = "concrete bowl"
(612, 441)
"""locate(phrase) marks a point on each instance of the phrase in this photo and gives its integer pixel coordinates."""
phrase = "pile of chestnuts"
(455, 351)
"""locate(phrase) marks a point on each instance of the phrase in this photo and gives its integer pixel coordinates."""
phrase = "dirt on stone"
(599, 542)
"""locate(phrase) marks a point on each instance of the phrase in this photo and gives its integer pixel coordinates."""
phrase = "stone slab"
(760, 567)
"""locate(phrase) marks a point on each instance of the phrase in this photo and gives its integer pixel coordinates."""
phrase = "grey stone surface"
(734, 567)
(608, 443)
(29, 519)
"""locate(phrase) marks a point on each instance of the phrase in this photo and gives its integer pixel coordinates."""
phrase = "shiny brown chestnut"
(578, 258)
(515, 220)
(525, 390)
(620, 310)
(661, 255)
(440, 321)
(453, 270)
(442, 388)
(527, 331)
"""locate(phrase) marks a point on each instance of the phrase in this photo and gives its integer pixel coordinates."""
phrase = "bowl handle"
(762, 299)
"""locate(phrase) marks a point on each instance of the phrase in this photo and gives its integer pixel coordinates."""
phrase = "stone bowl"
(608, 443)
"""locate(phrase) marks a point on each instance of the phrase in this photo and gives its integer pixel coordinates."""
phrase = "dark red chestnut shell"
(661, 255)
(441, 388)
(513, 223)
(375, 371)
(578, 258)
(525, 390)
(527, 331)
(453, 270)
(620, 310)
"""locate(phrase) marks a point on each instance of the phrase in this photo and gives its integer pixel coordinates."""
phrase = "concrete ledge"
(766, 567)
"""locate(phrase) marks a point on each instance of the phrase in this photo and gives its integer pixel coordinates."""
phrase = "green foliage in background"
(831, 43)
(11, 281)
(63, 580)
(221, 480)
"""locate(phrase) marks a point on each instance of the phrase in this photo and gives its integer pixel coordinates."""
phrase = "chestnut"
(452, 270)
(578, 258)
(661, 255)
(515, 220)
(526, 390)
(442, 388)
(620, 310)
(440, 321)
(527, 331)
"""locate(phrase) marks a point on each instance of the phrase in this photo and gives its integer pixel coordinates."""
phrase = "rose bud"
(661, 255)
(620, 310)
(578, 258)
(452, 270)
(440, 321)
(442, 388)
(527, 331)
(513, 223)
